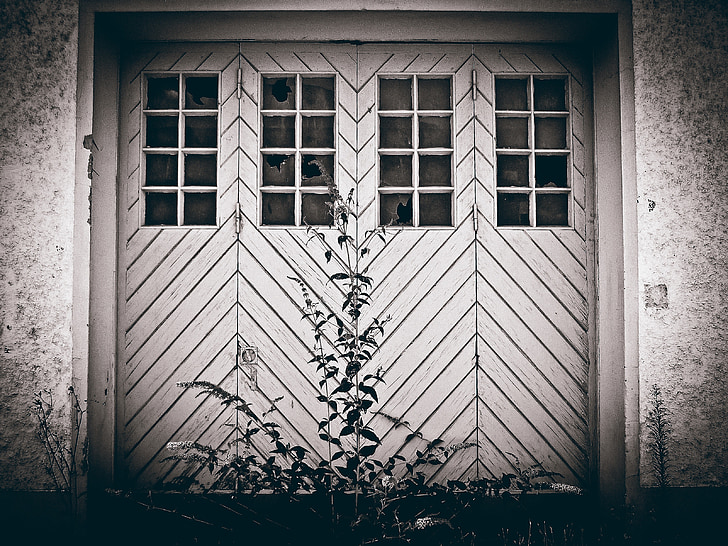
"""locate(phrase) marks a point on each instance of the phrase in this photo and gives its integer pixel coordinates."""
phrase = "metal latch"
(248, 363)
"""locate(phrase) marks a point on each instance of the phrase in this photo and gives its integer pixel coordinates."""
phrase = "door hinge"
(238, 218)
(475, 217)
(240, 83)
(474, 83)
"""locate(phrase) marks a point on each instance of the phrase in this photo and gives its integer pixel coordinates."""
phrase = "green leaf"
(368, 450)
(328, 255)
(348, 429)
(369, 434)
(338, 277)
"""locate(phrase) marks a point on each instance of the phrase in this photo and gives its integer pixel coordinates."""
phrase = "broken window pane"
(279, 132)
(435, 209)
(200, 209)
(513, 209)
(549, 94)
(278, 209)
(435, 132)
(200, 170)
(551, 171)
(317, 170)
(435, 170)
(317, 93)
(550, 133)
(160, 209)
(395, 209)
(395, 170)
(317, 131)
(512, 170)
(314, 209)
(163, 93)
(161, 170)
(511, 94)
(279, 170)
(434, 94)
(395, 94)
(201, 131)
(201, 92)
(511, 132)
(395, 132)
(279, 93)
(552, 209)
(162, 131)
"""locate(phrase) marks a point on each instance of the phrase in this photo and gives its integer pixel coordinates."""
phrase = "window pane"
(395, 132)
(278, 209)
(314, 210)
(200, 170)
(435, 132)
(512, 170)
(163, 93)
(201, 92)
(513, 209)
(552, 209)
(279, 170)
(549, 94)
(435, 170)
(434, 94)
(200, 209)
(551, 133)
(317, 132)
(317, 93)
(279, 131)
(161, 209)
(201, 132)
(395, 94)
(551, 171)
(161, 170)
(511, 132)
(279, 93)
(511, 94)
(317, 170)
(162, 131)
(395, 209)
(395, 170)
(435, 209)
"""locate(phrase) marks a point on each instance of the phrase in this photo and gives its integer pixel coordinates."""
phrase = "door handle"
(248, 364)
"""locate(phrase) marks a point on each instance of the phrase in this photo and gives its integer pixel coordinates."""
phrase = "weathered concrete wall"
(681, 70)
(38, 49)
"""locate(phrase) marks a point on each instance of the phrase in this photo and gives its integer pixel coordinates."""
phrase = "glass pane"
(395, 170)
(513, 209)
(511, 132)
(435, 170)
(200, 209)
(279, 132)
(395, 94)
(511, 94)
(552, 209)
(551, 133)
(200, 170)
(551, 171)
(512, 170)
(278, 209)
(163, 93)
(395, 132)
(314, 209)
(317, 170)
(279, 93)
(395, 209)
(549, 94)
(161, 209)
(161, 170)
(435, 209)
(317, 132)
(434, 94)
(201, 132)
(201, 92)
(435, 132)
(317, 93)
(279, 170)
(162, 131)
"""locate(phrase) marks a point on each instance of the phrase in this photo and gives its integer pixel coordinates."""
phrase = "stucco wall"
(38, 49)
(681, 70)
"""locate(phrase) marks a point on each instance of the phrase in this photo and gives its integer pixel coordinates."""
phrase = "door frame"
(605, 27)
